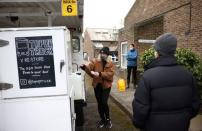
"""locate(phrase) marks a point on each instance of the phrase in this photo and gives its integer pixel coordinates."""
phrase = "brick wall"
(195, 41)
(186, 24)
(125, 35)
(146, 9)
(149, 31)
(177, 22)
(148, 19)
(176, 19)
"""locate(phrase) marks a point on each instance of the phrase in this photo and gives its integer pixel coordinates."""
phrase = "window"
(75, 44)
(124, 50)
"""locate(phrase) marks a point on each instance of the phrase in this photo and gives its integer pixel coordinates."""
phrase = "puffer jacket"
(166, 98)
(132, 58)
(106, 72)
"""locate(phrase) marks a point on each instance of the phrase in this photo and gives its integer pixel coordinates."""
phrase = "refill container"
(121, 85)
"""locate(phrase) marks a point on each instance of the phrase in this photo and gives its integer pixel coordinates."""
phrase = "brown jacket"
(106, 75)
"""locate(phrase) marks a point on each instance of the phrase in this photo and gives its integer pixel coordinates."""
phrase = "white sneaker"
(100, 124)
(108, 124)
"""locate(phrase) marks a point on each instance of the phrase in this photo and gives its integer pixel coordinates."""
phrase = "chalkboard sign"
(35, 61)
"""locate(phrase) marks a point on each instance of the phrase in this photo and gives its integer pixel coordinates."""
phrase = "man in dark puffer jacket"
(166, 98)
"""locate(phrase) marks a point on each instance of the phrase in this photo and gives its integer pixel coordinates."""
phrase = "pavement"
(124, 101)
(120, 121)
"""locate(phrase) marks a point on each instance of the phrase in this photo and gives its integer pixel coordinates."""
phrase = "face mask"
(104, 57)
(131, 48)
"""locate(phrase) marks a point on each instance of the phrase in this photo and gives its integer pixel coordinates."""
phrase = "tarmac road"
(120, 121)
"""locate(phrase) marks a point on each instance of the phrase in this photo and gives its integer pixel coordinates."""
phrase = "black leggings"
(102, 96)
(129, 68)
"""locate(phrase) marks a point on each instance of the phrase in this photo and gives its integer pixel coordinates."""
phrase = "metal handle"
(62, 63)
(5, 86)
(3, 43)
(73, 116)
(77, 66)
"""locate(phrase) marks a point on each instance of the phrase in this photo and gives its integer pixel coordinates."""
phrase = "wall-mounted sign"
(35, 61)
(69, 7)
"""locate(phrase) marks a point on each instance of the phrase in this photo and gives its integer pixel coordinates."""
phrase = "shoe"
(108, 124)
(100, 124)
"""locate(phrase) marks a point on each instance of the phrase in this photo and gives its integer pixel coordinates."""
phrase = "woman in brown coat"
(102, 72)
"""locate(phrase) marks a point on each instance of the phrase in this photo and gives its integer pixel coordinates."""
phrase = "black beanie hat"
(166, 44)
(105, 50)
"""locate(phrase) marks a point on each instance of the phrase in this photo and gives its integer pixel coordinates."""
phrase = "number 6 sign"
(69, 7)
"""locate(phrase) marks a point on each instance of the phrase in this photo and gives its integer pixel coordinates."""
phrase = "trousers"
(102, 96)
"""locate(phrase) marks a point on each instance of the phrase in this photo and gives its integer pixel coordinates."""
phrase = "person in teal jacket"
(131, 64)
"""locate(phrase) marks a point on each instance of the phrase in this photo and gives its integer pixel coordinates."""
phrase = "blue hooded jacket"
(132, 58)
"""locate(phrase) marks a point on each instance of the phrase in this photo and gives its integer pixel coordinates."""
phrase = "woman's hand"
(83, 66)
(96, 74)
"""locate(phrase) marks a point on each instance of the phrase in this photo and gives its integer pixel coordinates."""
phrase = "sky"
(106, 13)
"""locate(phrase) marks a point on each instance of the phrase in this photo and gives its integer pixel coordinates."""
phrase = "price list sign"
(35, 61)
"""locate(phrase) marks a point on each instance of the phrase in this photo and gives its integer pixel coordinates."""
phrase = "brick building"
(147, 19)
(96, 38)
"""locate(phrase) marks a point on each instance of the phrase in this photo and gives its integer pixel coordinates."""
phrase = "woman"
(102, 72)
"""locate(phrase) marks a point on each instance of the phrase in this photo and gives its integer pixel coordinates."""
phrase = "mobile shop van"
(38, 88)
